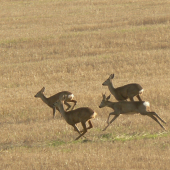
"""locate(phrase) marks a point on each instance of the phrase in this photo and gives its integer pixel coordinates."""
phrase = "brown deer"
(82, 114)
(124, 92)
(125, 107)
(49, 101)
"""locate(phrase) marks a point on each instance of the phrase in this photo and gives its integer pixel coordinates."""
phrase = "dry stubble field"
(75, 45)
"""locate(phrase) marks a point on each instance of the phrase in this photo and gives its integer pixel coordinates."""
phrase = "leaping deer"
(50, 101)
(82, 114)
(129, 107)
(124, 92)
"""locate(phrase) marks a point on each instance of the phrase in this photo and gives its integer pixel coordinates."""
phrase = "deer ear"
(43, 89)
(108, 97)
(104, 96)
(111, 76)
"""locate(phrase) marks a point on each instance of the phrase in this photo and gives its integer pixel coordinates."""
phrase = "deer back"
(81, 114)
(127, 106)
(124, 92)
(58, 96)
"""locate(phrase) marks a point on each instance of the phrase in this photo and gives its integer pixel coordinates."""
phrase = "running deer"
(49, 101)
(129, 107)
(82, 114)
(124, 92)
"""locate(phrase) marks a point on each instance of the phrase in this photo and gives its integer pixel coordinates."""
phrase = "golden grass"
(75, 46)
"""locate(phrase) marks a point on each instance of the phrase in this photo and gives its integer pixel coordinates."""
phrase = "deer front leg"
(85, 130)
(109, 117)
(115, 117)
(112, 113)
(76, 129)
(54, 110)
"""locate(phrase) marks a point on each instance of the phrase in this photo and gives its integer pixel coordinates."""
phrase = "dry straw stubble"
(75, 46)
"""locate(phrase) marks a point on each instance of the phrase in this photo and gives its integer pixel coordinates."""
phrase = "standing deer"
(124, 92)
(125, 107)
(82, 114)
(49, 101)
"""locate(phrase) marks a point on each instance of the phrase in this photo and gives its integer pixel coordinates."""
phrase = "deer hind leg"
(139, 98)
(158, 117)
(68, 105)
(131, 99)
(130, 96)
(90, 125)
(54, 111)
(85, 130)
(154, 118)
(154, 114)
(77, 130)
(75, 102)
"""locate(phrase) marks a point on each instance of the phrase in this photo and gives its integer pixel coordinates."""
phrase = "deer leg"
(76, 129)
(54, 110)
(85, 130)
(154, 118)
(139, 97)
(131, 99)
(112, 113)
(108, 118)
(90, 125)
(68, 105)
(75, 102)
(157, 117)
(115, 117)
(154, 114)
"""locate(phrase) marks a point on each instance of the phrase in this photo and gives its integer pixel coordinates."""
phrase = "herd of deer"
(85, 114)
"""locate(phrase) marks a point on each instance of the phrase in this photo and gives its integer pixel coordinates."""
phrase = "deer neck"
(110, 104)
(45, 100)
(112, 89)
(62, 111)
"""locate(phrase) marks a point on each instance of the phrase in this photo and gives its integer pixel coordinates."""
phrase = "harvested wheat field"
(75, 45)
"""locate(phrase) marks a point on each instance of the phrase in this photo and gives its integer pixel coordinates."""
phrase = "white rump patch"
(147, 104)
(141, 91)
(71, 96)
(94, 115)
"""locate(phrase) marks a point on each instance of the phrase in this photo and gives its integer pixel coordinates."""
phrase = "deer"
(128, 107)
(82, 114)
(124, 92)
(50, 100)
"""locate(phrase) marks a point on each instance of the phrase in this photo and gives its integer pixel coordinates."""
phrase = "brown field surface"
(75, 45)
